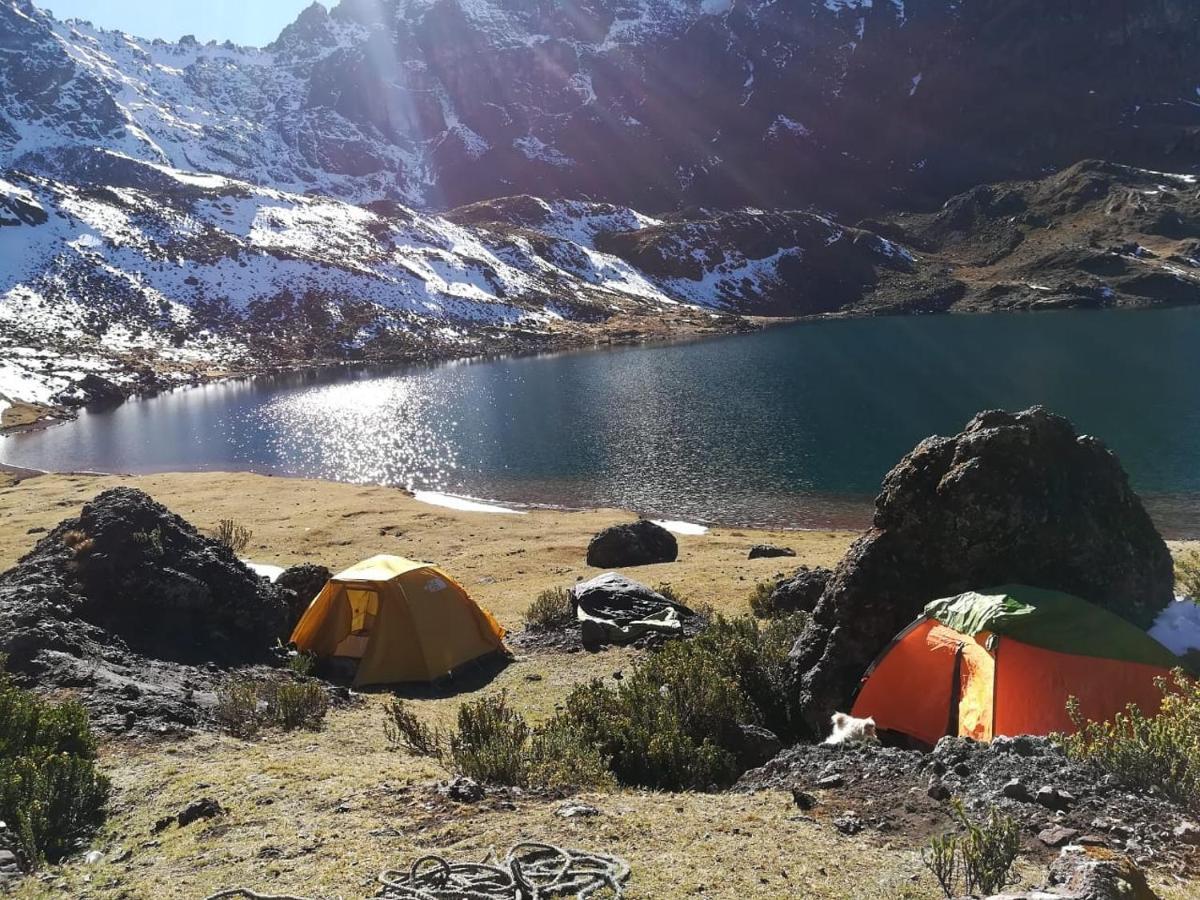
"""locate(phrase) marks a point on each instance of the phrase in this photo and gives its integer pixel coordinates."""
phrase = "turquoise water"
(792, 426)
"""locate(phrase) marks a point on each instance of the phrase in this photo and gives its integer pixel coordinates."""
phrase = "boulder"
(801, 590)
(131, 606)
(305, 581)
(1013, 498)
(756, 746)
(1096, 873)
(640, 543)
(769, 551)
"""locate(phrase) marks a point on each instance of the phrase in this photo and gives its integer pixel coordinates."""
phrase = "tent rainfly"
(1005, 661)
(401, 620)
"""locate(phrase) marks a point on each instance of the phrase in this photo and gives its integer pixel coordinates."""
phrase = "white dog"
(849, 730)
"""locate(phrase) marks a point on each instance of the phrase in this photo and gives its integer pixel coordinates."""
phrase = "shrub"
(150, 542)
(558, 756)
(294, 704)
(81, 547)
(1148, 751)
(246, 706)
(237, 708)
(670, 593)
(493, 744)
(233, 535)
(489, 742)
(674, 722)
(980, 858)
(760, 600)
(301, 662)
(1187, 574)
(550, 609)
(50, 792)
(406, 731)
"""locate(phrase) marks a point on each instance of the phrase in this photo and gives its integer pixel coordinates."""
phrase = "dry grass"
(320, 813)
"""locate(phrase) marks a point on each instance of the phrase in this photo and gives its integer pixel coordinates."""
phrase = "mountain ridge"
(851, 105)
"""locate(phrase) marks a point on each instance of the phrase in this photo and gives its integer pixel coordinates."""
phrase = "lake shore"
(151, 376)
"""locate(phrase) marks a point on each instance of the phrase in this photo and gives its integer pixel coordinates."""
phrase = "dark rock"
(804, 800)
(1056, 835)
(205, 808)
(638, 544)
(755, 746)
(800, 591)
(1013, 498)
(769, 551)
(1054, 799)
(462, 789)
(305, 581)
(124, 602)
(163, 824)
(1094, 873)
(13, 861)
(1015, 790)
(938, 790)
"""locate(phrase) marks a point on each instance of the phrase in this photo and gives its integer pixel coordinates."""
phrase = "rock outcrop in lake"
(1013, 498)
(136, 610)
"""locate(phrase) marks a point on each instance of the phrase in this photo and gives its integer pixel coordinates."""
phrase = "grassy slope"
(320, 814)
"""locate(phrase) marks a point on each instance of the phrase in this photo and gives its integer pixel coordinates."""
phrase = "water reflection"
(793, 426)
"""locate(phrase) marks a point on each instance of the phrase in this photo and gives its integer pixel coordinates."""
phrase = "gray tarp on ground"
(613, 609)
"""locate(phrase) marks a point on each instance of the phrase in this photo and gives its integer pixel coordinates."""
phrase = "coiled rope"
(530, 871)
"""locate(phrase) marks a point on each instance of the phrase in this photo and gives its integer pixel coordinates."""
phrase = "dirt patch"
(907, 793)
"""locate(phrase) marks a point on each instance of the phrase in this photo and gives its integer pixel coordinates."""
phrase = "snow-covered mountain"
(138, 272)
(652, 104)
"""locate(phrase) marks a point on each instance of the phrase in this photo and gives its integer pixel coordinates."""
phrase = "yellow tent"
(402, 621)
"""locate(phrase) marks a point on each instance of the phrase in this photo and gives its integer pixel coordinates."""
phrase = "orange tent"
(1005, 662)
(401, 620)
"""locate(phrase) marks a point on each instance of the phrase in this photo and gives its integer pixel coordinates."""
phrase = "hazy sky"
(252, 22)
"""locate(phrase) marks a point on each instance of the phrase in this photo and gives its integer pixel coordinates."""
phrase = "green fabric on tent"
(1050, 619)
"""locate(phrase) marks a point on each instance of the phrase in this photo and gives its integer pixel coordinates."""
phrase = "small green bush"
(301, 662)
(674, 722)
(405, 730)
(1187, 574)
(1148, 751)
(295, 704)
(558, 756)
(150, 542)
(550, 609)
(245, 706)
(493, 744)
(760, 600)
(233, 535)
(489, 742)
(979, 859)
(237, 709)
(50, 792)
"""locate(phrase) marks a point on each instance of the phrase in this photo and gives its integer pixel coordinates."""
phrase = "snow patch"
(1178, 626)
(677, 527)
(463, 504)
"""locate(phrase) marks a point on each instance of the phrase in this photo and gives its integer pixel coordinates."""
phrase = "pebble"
(1016, 790)
(576, 811)
(1056, 835)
